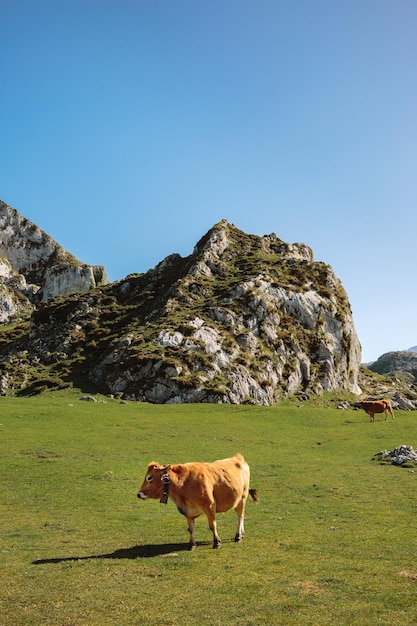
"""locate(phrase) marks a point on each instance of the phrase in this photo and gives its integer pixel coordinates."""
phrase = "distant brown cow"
(198, 488)
(377, 406)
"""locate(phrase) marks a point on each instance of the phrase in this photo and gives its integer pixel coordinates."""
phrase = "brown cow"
(377, 406)
(198, 488)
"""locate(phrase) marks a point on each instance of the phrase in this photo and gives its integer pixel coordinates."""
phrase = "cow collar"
(166, 480)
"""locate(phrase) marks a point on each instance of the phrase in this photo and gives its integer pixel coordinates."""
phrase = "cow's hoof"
(217, 545)
(238, 538)
(192, 546)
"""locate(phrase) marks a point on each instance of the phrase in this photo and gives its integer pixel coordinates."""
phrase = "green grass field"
(332, 541)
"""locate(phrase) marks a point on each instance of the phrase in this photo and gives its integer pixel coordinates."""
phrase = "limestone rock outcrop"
(243, 319)
(34, 267)
(405, 456)
(15, 294)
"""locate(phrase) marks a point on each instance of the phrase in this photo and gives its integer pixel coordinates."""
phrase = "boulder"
(401, 455)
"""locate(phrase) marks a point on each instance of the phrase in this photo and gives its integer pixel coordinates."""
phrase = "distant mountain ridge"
(394, 363)
(242, 319)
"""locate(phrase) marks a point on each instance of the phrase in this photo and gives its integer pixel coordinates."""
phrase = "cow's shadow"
(135, 552)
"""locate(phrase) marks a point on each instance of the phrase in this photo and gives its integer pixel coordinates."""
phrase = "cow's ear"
(166, 468)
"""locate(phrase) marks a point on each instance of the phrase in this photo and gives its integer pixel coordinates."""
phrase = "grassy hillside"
(332, 540)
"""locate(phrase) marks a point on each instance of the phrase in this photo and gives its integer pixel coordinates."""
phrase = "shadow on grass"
(135, 552)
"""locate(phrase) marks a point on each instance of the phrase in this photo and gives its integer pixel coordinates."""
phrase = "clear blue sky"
(130, 127)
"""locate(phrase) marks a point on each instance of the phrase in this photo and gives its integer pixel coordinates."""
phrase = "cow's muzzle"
(141, 496)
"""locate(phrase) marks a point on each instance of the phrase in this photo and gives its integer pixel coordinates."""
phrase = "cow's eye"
(149, 478)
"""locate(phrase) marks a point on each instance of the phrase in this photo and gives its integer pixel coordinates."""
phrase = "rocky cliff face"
(34, 267)
(15, 294)
(242, 319)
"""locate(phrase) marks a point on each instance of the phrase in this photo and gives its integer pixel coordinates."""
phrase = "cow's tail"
(254, 495)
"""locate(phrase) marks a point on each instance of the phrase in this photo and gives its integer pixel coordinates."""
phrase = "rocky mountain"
(400, 364)
(242, 319)
(34, 267)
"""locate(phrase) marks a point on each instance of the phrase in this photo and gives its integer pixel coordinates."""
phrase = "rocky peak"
(222, 242)
(242, 319)
(33, 266)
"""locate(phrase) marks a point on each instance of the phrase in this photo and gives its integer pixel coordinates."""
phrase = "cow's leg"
(240, 512)
(191, 527)
(388, 410)
(211, 516)
(372, 417)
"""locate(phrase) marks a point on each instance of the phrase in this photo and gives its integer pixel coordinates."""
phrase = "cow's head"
(153, 485)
